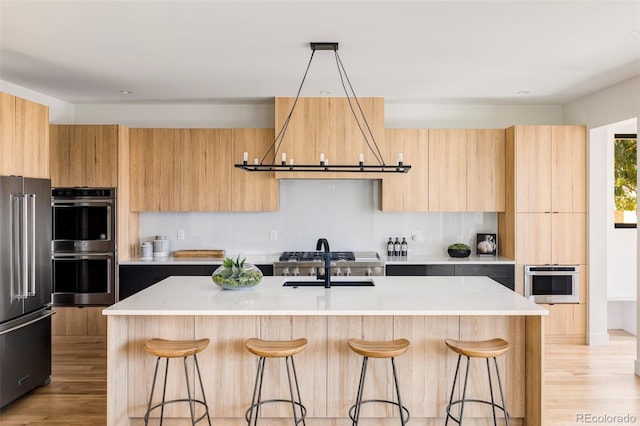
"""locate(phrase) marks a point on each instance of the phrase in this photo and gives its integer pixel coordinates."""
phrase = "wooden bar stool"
(378, 349)
(276, 349)
(168, 349)
(477, 349)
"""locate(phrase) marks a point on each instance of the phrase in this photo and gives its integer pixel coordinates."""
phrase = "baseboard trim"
(598, 339)
(569, 339)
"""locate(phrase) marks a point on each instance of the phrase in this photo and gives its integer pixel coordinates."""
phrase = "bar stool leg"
(395, 379)
(493, 404)
(504, 404)
(453, 390)
(464, 389)
(289, 360)
(189, 400)
(363, 374)
(204, 398)
(153, 387)
(257, 392)
(164, 389)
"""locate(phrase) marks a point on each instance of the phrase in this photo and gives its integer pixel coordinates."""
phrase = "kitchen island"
(425, 310)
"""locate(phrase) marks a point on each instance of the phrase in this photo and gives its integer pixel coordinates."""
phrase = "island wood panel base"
(328, 370)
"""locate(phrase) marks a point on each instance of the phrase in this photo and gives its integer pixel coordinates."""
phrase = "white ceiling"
(237, 51)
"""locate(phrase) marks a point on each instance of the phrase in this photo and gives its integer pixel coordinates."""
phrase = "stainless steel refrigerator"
(25, 285)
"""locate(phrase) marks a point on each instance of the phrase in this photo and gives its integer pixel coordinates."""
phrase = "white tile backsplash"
(343, 211)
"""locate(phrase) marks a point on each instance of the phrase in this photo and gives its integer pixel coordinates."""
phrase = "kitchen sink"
(340, 283)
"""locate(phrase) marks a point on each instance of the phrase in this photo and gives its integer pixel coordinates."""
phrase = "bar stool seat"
(276, 349)
(477, 349)
(378, 349)
(168, 349)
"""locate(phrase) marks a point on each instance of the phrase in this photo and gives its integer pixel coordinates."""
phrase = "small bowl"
(459, 253)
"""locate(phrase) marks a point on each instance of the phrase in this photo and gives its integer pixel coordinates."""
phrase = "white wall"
(612, 105)
(261, 115)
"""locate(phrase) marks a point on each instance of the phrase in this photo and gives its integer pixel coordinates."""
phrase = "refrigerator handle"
(25, 247)
(14, 215)
(32, 261)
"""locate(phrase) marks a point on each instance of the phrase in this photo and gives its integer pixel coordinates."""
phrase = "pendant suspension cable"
(323, 166)
(342, 70)
(280, 137)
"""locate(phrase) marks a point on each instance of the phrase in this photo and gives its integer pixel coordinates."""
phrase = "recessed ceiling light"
(325, 92)
(126, 92)
(523, 92)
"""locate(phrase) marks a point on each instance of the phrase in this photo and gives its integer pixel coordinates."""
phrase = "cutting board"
(198, 253)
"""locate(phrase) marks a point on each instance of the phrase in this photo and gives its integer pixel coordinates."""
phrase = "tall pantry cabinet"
(545, 217)
(93, 156)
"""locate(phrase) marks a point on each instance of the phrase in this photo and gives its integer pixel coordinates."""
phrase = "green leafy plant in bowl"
(236, 274)
(459, 250)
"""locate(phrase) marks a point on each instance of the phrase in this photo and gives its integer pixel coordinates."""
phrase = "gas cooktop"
(310, 256)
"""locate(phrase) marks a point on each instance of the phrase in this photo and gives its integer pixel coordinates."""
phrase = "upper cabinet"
(327, 126)
(84, 155)
(486, 178)
(192, 170)
(448, 170)
(451, 170)
(551, 168)
(407, 191)
(24, 137)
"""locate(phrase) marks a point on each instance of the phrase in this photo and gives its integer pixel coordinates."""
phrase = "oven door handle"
(81, 203)
(82, 256)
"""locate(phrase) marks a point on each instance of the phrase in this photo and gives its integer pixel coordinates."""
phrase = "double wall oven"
(84, 246)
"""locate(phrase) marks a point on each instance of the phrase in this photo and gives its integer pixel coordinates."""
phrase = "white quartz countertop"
(268, 259)
(390, 296)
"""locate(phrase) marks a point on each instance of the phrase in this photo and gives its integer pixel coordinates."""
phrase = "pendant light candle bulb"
(245, 156)
(284, 157)
(400, 158)
(255, 161)
(291, 162)
(361, 158)
(322, 157)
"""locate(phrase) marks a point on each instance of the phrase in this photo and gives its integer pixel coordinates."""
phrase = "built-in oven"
(552, 283)
(84, 219)
(84, 279)
(84, 246)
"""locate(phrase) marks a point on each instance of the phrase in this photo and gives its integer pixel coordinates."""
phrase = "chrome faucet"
(322, 242)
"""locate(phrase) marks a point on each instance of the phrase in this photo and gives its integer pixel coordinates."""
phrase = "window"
(625, 180)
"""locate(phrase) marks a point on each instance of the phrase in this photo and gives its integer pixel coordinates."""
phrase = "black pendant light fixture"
(323, 165)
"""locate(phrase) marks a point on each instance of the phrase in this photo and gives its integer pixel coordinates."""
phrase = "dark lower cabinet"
(504, 274)
(134, 278)
(410, 270)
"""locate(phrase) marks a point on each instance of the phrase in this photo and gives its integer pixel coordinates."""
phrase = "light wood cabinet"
(545, 216)
(253, 191)
(486, 183)
(451, 170)
(543, 238)
(84, 155)
(551, 168)
(192, 170)
(24, 137)
(447, 170)
(566, 323)
(327, 125)
(407, 191)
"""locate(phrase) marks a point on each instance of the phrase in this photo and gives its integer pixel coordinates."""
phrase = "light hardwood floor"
(580, 381)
